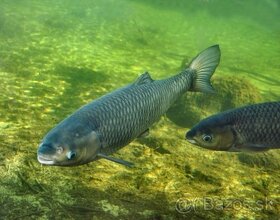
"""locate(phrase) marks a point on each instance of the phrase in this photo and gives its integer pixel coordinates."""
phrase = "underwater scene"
(142, 162)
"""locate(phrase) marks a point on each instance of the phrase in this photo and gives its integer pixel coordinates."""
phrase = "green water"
(57, 55)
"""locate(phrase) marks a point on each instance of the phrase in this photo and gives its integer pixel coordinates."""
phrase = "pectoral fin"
(116, 160)
(248, 147)
(256, 147)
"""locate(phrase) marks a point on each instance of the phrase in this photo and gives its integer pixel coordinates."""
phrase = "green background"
(57, 55)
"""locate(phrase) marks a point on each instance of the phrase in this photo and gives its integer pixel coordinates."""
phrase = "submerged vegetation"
(58, 55)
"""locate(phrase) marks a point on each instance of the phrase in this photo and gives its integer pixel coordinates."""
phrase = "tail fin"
(204, 65)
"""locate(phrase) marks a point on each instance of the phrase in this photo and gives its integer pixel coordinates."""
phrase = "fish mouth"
(192, 141)
(189, 137)
(44, 160)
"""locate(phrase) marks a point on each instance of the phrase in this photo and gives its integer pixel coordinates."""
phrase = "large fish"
(250, 128)
(112, 121)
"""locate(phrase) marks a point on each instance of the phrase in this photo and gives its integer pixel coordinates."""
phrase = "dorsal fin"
(143, 79)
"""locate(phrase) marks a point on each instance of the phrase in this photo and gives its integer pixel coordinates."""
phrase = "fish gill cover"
(58, 55)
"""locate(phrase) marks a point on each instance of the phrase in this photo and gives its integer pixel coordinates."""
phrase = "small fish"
(112, 121)
(250, 128)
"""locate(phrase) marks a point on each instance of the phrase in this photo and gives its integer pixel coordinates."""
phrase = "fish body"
(110, 122)
(249, 128)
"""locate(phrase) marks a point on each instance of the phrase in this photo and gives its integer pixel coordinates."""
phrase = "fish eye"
(71, 155)
(207, 138)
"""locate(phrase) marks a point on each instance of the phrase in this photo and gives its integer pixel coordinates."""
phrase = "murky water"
(58, 55)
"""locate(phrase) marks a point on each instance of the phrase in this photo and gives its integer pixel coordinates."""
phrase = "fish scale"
(257, 125)
(130, 120)
(254, 128)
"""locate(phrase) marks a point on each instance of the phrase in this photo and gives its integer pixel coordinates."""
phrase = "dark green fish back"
(258, 124)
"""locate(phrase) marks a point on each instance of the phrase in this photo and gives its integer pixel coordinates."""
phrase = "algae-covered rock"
(231, 92)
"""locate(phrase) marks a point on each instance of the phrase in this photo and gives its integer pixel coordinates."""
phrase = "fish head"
(212, 133)
(69, 146)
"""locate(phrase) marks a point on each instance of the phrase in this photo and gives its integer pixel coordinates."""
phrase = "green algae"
(56, 56)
